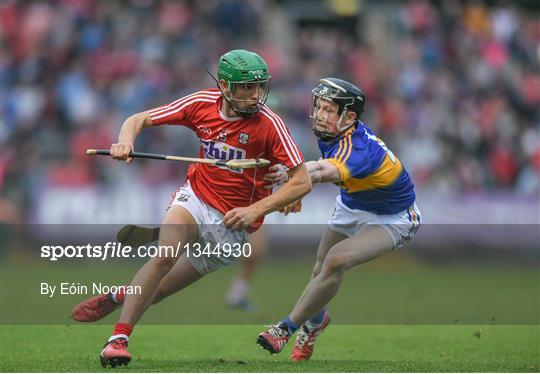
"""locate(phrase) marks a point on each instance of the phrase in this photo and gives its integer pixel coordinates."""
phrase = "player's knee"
(336, 263)
(164, 262)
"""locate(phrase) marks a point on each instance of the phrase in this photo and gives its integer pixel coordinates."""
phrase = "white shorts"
(401, 226)
(212, 232)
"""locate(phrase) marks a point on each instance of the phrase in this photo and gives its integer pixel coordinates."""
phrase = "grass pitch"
(395, 315)
(232, 349)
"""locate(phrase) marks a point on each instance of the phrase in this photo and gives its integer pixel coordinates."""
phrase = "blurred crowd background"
(453, 87)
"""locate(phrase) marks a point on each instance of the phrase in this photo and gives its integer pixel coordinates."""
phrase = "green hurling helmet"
(248, 81)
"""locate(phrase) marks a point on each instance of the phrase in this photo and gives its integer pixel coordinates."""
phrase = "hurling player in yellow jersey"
(375, 211)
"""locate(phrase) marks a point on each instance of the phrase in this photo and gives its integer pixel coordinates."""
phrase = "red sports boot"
(94, 308)
(274, 339)
(115, 353)
(303, 346)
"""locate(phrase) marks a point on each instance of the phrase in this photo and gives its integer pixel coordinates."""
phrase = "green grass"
(232, 349)
(392, 314)
(391, 290)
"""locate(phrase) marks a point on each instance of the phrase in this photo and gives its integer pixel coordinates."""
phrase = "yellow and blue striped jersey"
(372, 177)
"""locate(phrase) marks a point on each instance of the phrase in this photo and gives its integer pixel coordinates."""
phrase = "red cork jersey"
(262, 136)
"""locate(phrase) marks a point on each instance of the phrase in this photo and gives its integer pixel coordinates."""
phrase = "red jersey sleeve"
(281, 144)
(180, 112)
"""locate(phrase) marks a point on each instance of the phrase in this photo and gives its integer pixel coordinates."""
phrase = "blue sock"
(290, 325)
(317, 318)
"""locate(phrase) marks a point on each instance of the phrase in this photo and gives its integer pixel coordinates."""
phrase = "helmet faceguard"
(348, 98)
(248, 81)
(316, 119)
(248, 106)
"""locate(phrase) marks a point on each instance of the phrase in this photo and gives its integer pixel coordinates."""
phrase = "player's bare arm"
(277, 175)
(129, 131)
(297, 187)
(320, 171)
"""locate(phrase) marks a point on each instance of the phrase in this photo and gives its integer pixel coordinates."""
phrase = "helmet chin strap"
(243, 114)
(324, 135)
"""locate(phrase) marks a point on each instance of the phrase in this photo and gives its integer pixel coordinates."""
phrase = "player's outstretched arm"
(322, 171)
(131, 128)
(319, 171)
(298, 186)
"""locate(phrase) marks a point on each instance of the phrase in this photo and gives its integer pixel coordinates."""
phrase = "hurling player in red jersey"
(216, 205)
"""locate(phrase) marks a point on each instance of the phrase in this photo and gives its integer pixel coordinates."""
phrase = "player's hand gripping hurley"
(248, 163)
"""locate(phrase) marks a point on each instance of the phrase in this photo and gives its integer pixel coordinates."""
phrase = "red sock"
(122, 329)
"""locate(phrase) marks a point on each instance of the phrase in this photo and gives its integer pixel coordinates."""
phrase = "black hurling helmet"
(346, 95)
